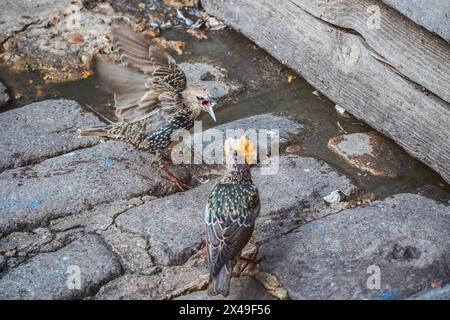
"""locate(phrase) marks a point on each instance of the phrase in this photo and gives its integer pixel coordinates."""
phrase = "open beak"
(212, 104)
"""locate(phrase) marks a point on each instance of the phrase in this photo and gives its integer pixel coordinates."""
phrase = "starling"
(232, 208)
(152, 98)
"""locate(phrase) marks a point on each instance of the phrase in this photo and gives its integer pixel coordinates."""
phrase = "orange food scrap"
(151, 33)
(85, 74)
(75, 38)
(291, 78)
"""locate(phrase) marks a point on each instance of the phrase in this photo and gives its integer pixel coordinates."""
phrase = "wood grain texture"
(345, 68)
(413, 51)
(432, 14)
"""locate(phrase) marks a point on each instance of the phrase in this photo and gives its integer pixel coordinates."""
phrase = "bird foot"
(251, 260)
(172, 178)
(248, 261)
(204, 251)
(181, 185)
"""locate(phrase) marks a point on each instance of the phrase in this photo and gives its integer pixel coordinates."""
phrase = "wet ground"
(266, 89)
(134, 236)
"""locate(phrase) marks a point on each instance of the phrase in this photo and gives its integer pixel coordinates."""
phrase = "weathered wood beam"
(433, 15)
(413, 51)
(341, 64)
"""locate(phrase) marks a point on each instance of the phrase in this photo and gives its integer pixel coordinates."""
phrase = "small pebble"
(333, 197)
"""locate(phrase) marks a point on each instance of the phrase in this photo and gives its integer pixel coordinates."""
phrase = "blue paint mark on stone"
(36, 203)
(107, 162)
(21, 203)
(388, 296)
(320, 227)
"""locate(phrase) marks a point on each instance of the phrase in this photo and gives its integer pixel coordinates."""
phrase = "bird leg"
(180, 184)
(204, 251)
(250, 260)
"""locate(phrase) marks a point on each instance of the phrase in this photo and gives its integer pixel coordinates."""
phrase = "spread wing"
(141, 53)
(148, 80)
(229, 223)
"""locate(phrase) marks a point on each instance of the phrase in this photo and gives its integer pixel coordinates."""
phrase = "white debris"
(202, 180)
(213, 24)
(339, 109)
(333, 197)
(183, 18)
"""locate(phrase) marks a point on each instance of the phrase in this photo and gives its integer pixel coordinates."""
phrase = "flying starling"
(232, 208)
(152, 97)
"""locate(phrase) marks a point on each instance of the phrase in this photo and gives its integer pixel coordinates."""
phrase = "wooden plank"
(410, 49)
(434, 15)
(342, 66)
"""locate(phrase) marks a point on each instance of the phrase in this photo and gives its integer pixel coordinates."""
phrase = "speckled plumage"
(152, 98)
(232, 208)
(156, 141)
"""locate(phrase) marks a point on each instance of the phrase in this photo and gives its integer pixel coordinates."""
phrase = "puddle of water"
(246, 63)
(28, 87)
(241, 58)
(297, 101)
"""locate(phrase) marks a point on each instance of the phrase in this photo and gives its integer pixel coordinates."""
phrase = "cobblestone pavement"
(89, 219)
(100, 210)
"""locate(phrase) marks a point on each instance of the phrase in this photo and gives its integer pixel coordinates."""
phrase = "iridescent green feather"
(234, 201)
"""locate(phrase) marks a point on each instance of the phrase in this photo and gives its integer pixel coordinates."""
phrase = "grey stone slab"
(42, 130)
(403, 239)
(370, 152)
(174, 225)
(24, 243)
(75, 182)
(169, 283)
(241, 288)
(132, 251)
(55, 275)
(295, 194)
(431, 14)
(97, 219)
(4, 96)
(253, 127)
(266, 121)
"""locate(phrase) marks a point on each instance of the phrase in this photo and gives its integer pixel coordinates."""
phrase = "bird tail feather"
(221, 283)
(103, 131)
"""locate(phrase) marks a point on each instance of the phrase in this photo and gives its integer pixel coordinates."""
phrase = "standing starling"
(152, 98)
(232, 208)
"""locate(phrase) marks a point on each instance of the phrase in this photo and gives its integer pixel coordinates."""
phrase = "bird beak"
(210, 110)
(211, 113)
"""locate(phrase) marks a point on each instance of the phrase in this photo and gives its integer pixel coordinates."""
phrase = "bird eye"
(199, 98)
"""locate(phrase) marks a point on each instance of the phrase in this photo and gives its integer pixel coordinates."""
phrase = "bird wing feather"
(150, 58)
(149, 79)
(228, 233)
